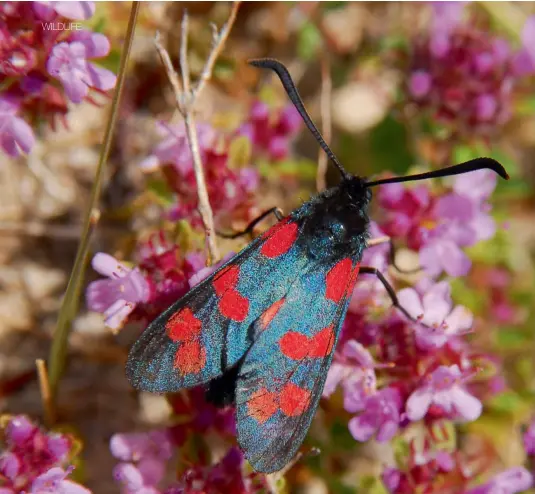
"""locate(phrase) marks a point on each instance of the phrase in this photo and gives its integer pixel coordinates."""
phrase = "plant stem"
(58, 352)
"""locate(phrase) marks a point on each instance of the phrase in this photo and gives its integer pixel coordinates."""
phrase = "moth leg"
(392, 259)
(249, 228)
(388, 288)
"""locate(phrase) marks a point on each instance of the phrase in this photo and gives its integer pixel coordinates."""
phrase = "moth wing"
(208, 330)
(282, 376)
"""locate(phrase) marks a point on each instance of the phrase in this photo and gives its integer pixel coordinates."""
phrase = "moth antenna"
(293, 94)
(466, 167)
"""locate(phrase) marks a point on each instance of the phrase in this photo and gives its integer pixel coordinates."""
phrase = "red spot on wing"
(322, 343)
(226, 280)
(280, 241)
(234, 306)
(337, 280)
(293, 400)
(298, 346)
(269, 314)
(294, 345)
(190, 358)
(183, 325)
(262, 405)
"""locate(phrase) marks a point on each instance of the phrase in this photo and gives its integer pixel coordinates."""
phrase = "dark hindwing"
(282, 377)
(208, 330)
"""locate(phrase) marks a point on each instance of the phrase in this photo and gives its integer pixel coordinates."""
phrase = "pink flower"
(464, 75)
(34, 461)
(443, 388)
(16, 136)
(381, 416)
(269, 132)
(116, 297)
(71, 10)
(439, 322)
(529, 439)
(511, 481)
(144, 457)
(174, 148)
(54, 482)
(68, 63)
(353, 368)
(527, 56)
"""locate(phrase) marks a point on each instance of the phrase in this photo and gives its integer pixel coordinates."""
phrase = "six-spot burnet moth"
(261, 331)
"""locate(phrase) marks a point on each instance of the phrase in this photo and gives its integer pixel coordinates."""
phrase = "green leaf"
(164, 195)
(240, 151)
(308, 41)
(112, 61)
(303, 168)
(506, 402)
(390, 147)
(511, 337)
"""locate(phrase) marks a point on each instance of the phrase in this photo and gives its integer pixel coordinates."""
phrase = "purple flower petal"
(528, 37)
(439, 44)
(410, 300)
(334, 376)
(75, 10)
(447, 15)
(9, 465)
(418, 404)
(437, 304)
(19, 430)
(419, 84)
(129, 476)
(486, 107)
(361, 429)
(96, 44)
(459, 319)
(387, 431)
(101, 78)
(477, 185)
(117, 313)
(466, 405)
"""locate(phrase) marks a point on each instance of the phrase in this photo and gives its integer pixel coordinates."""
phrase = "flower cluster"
(34, 461)
(230, 179)
(440, 226)
(161, 277)
(269, 131)
(229, 188)
(144, 459)
(438, 470)
(404, 366)
(464, 75)
(44, 64)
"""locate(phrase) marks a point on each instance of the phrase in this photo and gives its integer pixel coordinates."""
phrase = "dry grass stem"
(46, 395)
(185, 97)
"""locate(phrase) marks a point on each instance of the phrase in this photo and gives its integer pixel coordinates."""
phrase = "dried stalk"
(46, 396)
(69, 306)
(185, 97)
(326, 125)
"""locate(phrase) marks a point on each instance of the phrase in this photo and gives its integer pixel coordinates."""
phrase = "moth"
(261, 331)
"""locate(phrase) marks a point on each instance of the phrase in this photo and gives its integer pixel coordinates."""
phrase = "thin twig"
(68, 309)
(326, 126)
(184, 65)
(185, 97)
(378, 241)
(218, 41)
(46, 395)
(171, 73)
